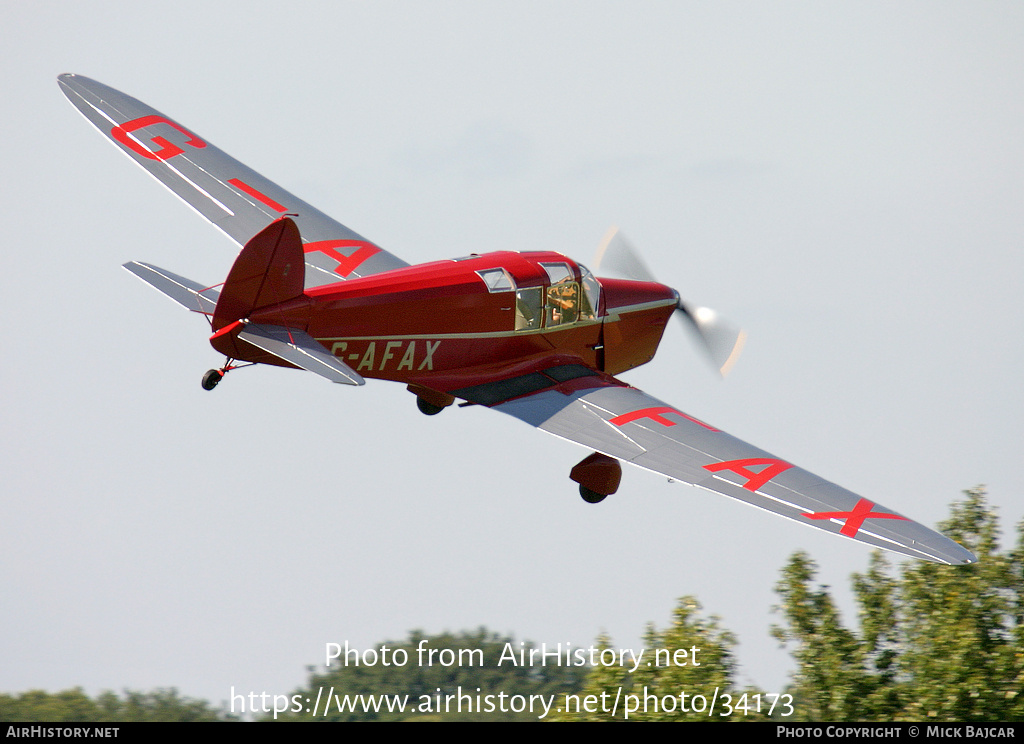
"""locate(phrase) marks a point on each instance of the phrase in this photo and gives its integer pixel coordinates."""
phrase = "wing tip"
(950, 555)
(969, 559)
(66, 79)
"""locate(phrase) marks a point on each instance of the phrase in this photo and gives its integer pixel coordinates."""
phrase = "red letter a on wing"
(772, 467)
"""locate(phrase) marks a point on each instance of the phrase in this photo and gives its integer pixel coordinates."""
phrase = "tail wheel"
(592, 497)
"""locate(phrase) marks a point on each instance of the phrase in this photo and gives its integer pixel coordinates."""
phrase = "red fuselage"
(450, 325)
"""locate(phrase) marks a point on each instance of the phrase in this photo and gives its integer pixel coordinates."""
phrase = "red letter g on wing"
(168, 149)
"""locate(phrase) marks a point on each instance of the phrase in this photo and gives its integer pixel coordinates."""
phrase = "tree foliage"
(473, 666)
(75, 706)
(672, 682)
(943, 643)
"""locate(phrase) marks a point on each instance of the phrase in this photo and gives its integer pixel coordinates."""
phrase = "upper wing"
(630, 425)
(233, 197)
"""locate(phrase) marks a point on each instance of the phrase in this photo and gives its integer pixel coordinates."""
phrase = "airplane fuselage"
(450, 325)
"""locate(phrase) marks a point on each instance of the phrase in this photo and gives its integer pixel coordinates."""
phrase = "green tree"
(479, 664)
(602, 687)
(685, 667)
(960, 627)
(935, 642)
(876, 593)
(832, 682)
(74, 706)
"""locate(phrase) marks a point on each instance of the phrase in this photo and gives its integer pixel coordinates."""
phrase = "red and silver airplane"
(534, 335)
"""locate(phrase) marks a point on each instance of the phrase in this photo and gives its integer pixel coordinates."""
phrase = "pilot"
(562, 303)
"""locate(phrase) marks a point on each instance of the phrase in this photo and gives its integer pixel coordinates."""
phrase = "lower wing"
(629, 425)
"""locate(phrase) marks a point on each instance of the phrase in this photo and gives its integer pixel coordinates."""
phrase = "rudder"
(270, 269)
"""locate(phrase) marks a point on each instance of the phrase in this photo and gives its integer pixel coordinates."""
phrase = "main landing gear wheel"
(598, 475)
(212, 378)
(592, 497)
(427, 407)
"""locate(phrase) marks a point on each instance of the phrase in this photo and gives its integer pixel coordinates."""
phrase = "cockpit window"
(563, 304)
(497, 280)
(528, 309)
(591, 299)
(557, 272)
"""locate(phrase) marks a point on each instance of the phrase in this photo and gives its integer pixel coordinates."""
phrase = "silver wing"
(234, 198)
(627, 424)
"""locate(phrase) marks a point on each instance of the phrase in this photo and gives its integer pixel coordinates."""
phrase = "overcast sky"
(844, 180)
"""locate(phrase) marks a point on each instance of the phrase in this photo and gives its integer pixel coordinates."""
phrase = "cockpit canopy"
(561, 301)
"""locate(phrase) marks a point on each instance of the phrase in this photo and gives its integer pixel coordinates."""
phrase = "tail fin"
(270, 269)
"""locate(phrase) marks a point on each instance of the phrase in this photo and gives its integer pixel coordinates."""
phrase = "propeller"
(722, 340)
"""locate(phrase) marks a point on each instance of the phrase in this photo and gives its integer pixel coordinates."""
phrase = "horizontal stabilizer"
(187, 293)
(302, 350)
